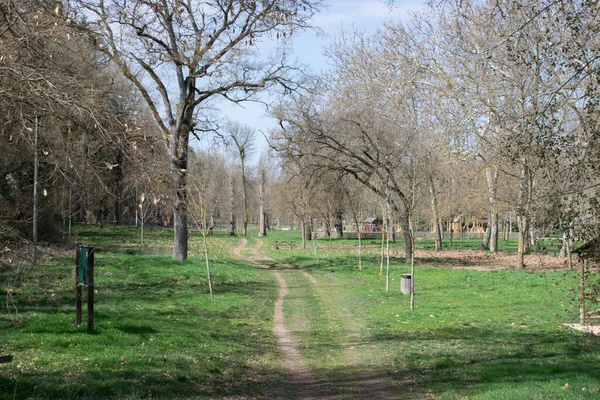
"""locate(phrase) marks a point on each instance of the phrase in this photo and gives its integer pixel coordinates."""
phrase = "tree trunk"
(244, 200)
(582, 319)
(412, 262)
(407, 236)
(306, 232)
(494, 230)
(359, 232)
(532, 233)
(338, 224)
(485, 242)
(387, 269)
(231, 209)
(262, 220)
(491, 174)
(522, 247)
(180, 232)
(178, 152)
(523, 214)
(435, 215)
(568, 244)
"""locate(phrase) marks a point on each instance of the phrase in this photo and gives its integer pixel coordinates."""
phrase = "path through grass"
(474, 334)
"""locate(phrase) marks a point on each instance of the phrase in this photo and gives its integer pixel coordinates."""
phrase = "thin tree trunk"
(210, 289)
(407, 237)
(582, 294)
(532, 232)
(485, 242)
(312, 237)
(567, 246)
(522, 215)
(387, 270)
(262, 225)
(338, 224)
(359, 233)
(244, 200)
(382, 251)
(306, 232)
(523, 239)
(412, 264)
(231, 208)
(491, 174)
(435, 215)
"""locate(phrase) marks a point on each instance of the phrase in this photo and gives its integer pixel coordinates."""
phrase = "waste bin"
(405, 280)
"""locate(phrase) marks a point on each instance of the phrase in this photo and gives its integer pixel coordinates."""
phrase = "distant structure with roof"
(372, 225)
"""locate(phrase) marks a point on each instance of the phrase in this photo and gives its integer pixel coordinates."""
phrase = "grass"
(157, 333)
(474, 334)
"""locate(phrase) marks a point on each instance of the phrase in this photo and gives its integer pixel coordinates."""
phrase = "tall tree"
(240, 138)
(204, 47)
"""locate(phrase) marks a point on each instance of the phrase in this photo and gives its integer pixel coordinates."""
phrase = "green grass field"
(474, 334)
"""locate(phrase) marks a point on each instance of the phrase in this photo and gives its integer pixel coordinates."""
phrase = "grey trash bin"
(405, 280)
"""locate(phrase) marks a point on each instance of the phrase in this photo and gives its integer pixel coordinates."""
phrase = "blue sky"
(309, 46)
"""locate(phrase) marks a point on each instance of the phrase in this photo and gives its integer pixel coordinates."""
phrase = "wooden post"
(78, 293)
(90, 301)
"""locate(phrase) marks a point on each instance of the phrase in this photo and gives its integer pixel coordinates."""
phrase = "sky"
(309, 47)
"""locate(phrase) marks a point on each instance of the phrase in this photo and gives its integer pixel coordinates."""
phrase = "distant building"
(372, 225)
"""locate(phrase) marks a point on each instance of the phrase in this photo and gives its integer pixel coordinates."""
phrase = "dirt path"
(362, 383)
(294, 367)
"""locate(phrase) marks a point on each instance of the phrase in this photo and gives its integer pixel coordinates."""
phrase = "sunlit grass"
(157, 332)
(474, 334)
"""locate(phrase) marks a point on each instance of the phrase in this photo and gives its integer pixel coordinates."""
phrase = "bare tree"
(262, 186)
(204, 47)
(240, 138)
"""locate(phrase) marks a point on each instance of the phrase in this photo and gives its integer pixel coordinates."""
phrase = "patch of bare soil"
(473, 259)
(485, 261)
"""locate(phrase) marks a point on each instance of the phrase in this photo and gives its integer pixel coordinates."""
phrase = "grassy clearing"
(157, 334)
(474, 334)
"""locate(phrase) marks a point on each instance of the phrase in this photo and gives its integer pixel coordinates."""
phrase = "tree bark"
(231, 209)
(178, 152)
(338, 224)
(306, 232)
(407, 236)
(485, 242)
(523, 215)
(244, 199)
(435, 215)
(491, 174)
(180, 232)
(262, 220)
